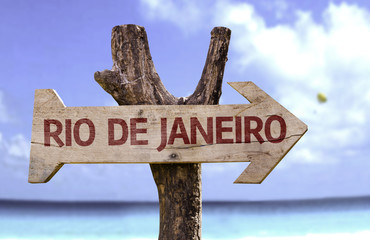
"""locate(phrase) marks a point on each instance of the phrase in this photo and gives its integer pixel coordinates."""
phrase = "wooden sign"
(261, 133)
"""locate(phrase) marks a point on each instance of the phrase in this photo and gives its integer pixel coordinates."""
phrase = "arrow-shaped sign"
(261, 133)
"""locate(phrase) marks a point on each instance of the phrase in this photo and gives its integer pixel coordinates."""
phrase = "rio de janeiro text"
(239, 129)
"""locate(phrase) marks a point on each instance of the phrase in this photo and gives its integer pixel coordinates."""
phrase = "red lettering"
(255, 131)
(76, 132)
(68, 132)
(220, 130)
(282, 129)
(123, 124)
(55, 134)
(134, 131)
(163, 134)
(238, 130)
(178, 123)
(195, 124)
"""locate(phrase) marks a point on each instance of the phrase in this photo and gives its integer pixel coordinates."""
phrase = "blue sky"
(291, 49)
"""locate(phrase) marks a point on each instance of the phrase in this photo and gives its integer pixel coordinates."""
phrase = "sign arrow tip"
(261, 166)
(47, 98)
(42, 171)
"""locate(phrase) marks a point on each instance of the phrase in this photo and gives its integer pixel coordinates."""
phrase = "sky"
(293, 50)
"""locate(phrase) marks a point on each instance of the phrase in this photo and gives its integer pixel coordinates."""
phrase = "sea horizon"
(335, 198)
(324, 218)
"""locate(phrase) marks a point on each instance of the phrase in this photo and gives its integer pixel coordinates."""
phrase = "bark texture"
(133, 80)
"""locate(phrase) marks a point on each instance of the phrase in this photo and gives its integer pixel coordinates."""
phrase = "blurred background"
(312, 57)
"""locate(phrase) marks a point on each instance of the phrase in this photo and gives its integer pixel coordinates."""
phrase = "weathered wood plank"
(261, 132)
(133, 80)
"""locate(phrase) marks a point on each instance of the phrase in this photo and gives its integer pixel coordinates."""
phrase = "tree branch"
(208, 91)
(133, 80)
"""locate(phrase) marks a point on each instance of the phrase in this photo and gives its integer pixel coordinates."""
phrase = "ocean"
(274, 220)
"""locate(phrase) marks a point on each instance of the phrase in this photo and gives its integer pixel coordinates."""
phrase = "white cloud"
(281, 7)
(186, 14)
(19, 146)
(14, 150)
(306, 58)
(299, 60)
(14, 158)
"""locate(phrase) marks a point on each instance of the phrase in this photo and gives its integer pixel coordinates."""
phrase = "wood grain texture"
(133, 80)
(175, 166)
(148, 140)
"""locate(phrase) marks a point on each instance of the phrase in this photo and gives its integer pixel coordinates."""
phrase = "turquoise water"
(229, 220)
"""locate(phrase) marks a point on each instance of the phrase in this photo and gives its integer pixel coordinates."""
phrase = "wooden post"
(133, 80)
